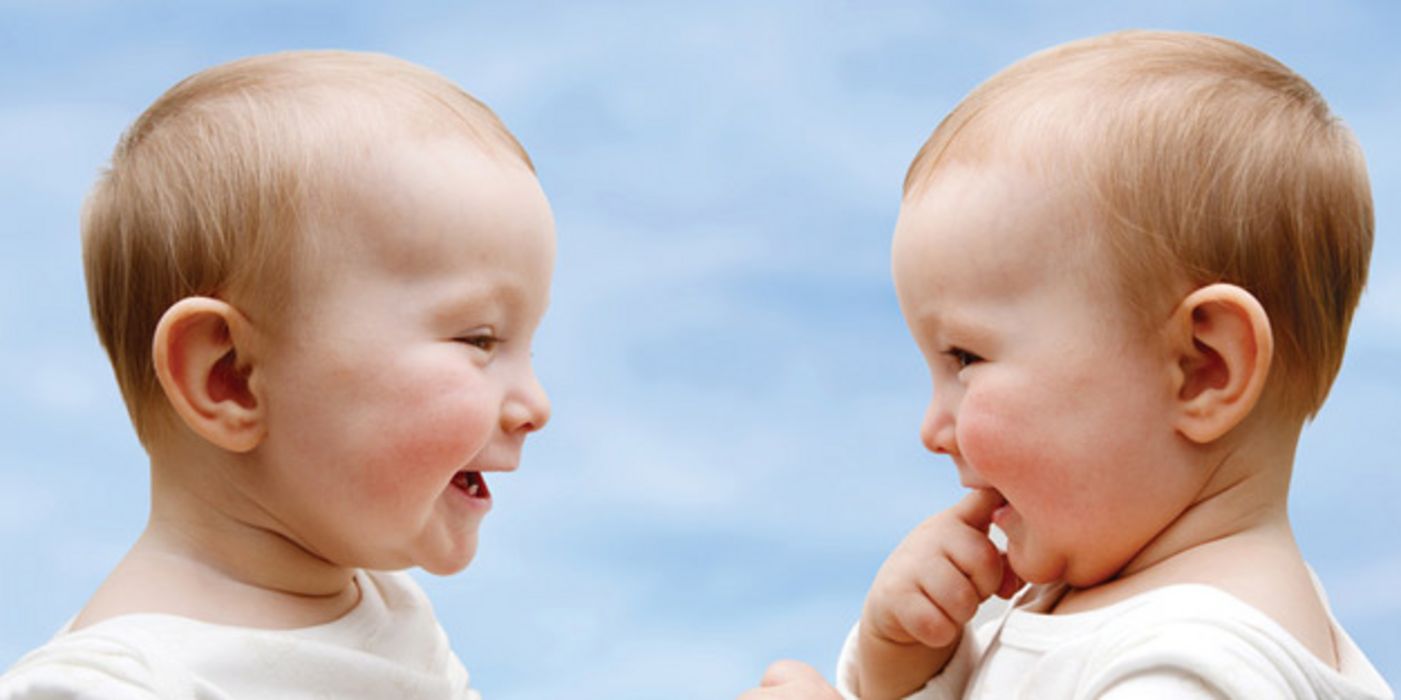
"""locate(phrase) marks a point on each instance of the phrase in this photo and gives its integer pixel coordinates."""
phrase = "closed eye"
(962, 357)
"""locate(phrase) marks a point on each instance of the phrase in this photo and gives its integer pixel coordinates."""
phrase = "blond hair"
(1202, 160)
(208, 189)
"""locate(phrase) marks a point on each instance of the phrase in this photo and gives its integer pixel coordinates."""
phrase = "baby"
(317, 275)
(1130, 263)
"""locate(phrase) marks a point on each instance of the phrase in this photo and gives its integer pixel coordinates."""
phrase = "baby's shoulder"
(1275, 581)
(1206, 611)
(120, 661)
(1242, 578)
(388, 645)
(1207, 637)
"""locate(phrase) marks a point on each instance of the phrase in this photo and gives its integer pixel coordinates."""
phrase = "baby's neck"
(1243, 499)
(1235, 537)
(1244, 505)
(167, 572)
(237, 548)
(208, 553)
(204, 513)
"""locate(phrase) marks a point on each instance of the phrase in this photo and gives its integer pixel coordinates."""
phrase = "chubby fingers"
(976, 560)
(933, 610)
(972, 552)
(936, 579)
(976, 508)
(948, 590)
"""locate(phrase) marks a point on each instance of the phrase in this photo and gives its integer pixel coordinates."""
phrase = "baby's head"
(1119, 253)
(322, 270)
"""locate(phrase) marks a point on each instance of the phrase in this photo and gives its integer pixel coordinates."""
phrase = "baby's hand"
(927, 590)
(792, 679)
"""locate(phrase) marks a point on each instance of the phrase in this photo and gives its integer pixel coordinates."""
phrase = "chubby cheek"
(1016, 455)
(1001, 445)
(1069, 463)
(422, 429)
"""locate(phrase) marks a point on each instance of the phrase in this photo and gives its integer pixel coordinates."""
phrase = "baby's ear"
(1223, 346)
(203, 361)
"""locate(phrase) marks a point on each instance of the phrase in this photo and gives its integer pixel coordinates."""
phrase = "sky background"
(734, 444)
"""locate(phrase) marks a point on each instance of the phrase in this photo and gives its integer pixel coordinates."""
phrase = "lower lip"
(1000, 515)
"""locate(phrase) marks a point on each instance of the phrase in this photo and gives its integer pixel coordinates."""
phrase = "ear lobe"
(202, 359)
(1224, 349)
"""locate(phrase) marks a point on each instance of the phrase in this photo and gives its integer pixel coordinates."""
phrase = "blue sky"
(734, 447)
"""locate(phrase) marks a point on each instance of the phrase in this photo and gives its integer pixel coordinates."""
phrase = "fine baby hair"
(1130, 263)
(317, 275)
(1197, 159)
(209, 190)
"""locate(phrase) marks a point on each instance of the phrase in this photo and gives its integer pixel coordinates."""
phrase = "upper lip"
(498, 467)
(969, 480)
(496, 458)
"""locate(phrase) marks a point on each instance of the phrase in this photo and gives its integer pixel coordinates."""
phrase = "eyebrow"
(479, 293)
(961, 323)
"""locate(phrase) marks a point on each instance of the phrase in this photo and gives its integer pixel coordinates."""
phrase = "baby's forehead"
(367, 160)
(402, 201)
(997, 231)
(1003, 199)
(996, 217)
(396, 170)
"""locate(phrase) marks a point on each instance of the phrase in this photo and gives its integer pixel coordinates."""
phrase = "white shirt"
(1180, 641)
(388, 646)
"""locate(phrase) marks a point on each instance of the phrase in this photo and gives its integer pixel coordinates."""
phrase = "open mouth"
(471, 483)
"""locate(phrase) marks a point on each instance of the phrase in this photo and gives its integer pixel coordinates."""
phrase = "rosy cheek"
(426, 431)
(995, 443)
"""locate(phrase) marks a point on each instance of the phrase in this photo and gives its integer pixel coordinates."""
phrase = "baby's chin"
(1035, 570)
(1052, 570)
(448, 563)
(446, 568)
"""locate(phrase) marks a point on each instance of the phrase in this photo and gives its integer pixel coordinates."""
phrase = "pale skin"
(977, 246)
(269, 487)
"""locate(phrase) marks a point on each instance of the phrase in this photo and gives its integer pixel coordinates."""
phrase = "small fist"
(792, 680)
(933, 583)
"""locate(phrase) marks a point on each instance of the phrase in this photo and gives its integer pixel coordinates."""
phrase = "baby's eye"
(962, 357)
(483, 341)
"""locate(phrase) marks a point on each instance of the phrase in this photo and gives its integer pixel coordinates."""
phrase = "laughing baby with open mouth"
(317, 275)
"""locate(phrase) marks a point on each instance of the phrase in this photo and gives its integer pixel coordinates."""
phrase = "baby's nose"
(936, 431)
(527, 409)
